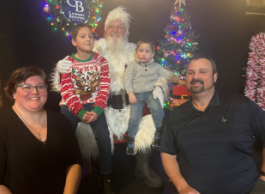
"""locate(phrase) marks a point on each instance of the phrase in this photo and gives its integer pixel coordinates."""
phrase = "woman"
(38, 150)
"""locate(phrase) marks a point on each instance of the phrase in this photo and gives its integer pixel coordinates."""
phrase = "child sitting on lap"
(139, 83)
(85, 91)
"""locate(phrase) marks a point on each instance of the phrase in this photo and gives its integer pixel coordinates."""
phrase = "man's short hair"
(77, 28)
(202, 56)
(146, 41)
(21, 75)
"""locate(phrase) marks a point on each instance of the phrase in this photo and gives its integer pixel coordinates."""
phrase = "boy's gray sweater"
(141, 77)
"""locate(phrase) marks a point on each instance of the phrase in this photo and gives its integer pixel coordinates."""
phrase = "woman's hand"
(188, 190)
(4, 190)
(132, 98)
(73, 177)
(262, 177)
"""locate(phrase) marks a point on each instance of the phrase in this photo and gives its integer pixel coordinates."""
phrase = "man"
(119, 53)
(207, 142)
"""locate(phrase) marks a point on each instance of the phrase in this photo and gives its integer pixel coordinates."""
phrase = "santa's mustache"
(115, 34)
(196, 81)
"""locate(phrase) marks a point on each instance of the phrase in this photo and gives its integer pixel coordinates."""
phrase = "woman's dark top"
(27, 166)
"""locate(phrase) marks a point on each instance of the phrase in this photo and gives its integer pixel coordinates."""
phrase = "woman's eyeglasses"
(28, 88)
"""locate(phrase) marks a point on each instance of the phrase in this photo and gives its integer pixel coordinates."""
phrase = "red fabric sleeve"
(104, 84)
(67, 91)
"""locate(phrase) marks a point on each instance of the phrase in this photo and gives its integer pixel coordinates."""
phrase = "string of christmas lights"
(58, 20)
(255, 84)
(179, 45)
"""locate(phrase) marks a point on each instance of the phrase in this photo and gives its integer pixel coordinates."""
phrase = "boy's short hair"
(77, 28)
(21, 75)
(146, 41)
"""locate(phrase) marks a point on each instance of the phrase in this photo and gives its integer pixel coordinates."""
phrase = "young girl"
(140, 81)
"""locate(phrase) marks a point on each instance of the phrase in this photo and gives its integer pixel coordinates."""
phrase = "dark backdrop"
(27, 38)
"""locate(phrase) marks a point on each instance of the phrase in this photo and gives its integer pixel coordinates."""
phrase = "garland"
(57, 19)
(255, 84)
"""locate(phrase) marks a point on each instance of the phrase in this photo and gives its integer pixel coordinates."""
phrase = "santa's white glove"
(157, 93)
(64, 65)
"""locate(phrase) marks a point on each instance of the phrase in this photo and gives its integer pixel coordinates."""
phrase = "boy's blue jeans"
(100, 129)
(137, 111)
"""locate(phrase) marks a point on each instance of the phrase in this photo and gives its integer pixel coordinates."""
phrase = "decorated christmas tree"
(176, 50)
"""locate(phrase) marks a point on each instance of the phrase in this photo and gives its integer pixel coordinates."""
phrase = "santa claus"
(119, 54)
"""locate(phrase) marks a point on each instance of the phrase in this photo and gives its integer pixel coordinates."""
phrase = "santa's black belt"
(116, 101)
(181, 97)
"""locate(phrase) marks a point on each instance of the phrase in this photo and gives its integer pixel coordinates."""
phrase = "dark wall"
(26, 37)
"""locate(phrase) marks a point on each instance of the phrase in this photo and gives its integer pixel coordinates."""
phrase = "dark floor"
(123, 175)
(124, 179)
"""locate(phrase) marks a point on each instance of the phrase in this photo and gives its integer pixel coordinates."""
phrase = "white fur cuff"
(86, 140)
(56, 80)
(162, 82)
(145, 135)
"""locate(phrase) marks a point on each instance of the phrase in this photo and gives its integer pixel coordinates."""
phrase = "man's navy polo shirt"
(214, 147)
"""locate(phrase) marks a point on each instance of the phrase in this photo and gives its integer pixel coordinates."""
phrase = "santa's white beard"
(117, 58)
(116, 68)
(116, 45)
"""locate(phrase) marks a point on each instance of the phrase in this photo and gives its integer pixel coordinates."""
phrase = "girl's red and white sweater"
(76, 80)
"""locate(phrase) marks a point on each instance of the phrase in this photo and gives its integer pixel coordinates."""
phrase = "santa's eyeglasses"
(117, 27)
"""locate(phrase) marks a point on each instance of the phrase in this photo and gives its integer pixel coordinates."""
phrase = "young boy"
(85, 90)
(139, 83)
